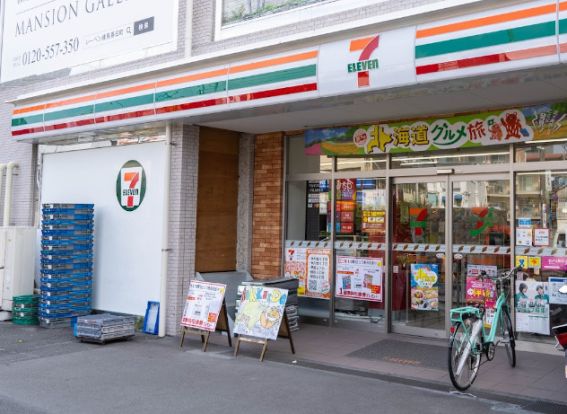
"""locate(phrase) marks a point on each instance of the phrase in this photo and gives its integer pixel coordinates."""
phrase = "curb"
(538, 405)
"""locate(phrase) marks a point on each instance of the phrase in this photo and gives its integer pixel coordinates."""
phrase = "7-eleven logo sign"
(366, 46)
(131, 185)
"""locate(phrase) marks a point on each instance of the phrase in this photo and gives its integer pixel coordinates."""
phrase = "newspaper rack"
(284, 332)
(222, 326)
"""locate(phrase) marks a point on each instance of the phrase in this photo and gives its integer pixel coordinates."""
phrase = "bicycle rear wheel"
(457, 346)
(507, 336)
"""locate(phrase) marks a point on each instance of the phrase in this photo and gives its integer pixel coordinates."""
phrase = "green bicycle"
(470, 339)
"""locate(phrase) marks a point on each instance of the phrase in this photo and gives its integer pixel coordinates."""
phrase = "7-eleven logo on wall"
(365, 63)
(131, 185)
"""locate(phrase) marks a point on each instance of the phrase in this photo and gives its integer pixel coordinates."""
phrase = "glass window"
(541, 228)
(300, 163)
(542, 152)
(360, 228)
(234, 11)
(307, 210)
(361, 164)
(499, 155)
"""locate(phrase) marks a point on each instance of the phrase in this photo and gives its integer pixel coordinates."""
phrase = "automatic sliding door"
(418, 256)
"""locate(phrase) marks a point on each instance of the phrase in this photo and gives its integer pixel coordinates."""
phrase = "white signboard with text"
(44, 36)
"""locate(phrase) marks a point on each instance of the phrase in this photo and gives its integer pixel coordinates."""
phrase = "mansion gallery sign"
(44, 36)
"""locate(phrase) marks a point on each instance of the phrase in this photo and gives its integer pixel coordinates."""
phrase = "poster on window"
(481, 291)
(318, 279)
(531, 300)
(295, 266)
(555, 296)
(203, 305)
(260, 312)
(523, 236)
(424, 287)
(359, 278)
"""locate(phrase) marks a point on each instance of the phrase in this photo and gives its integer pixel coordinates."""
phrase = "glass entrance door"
(418, 264)
(480, 238)
(465, 219)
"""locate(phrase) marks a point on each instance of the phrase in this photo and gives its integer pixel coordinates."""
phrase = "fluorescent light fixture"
(451, 156)
(546, 141)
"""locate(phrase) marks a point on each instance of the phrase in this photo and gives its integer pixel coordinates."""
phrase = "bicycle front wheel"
(457, 351)
(507, 336)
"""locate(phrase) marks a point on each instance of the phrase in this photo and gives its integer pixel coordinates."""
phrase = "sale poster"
(554, 263)
(318, 280)
(359, 278)
(555, 296)
(260, 312)
(424, 287)
(481, 291)
(203, 305)
(531, 300)
(295, 266)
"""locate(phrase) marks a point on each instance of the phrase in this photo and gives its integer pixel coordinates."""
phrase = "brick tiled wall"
(267, 207)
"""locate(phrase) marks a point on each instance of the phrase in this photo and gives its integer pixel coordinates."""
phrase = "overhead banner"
(44, 36)
(533, 123)
(203, 305)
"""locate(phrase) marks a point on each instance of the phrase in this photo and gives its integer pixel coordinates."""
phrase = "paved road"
(154, 376)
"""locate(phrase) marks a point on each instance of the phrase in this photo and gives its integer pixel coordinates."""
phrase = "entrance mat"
(404, 353)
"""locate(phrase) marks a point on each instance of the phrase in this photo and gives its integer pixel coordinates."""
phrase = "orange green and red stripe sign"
(531, 34)
(276, 78)
(497, 40)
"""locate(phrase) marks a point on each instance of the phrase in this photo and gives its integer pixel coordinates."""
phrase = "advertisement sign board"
(44, 36)
(203, 305)
(261, 312)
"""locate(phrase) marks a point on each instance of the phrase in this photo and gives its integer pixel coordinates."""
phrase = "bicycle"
(470, 339)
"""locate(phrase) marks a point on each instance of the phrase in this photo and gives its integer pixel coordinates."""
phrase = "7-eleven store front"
(410, 160)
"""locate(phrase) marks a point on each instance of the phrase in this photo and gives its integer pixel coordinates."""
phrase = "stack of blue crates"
(66, 263)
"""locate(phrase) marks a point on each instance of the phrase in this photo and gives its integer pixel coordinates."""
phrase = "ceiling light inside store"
(436, 157)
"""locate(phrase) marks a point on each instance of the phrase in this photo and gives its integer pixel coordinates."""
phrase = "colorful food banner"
(261, 312)
(203, 305)
(532, 307)
(312, 268)
(534, 123)
(359, 278)
(424, 287)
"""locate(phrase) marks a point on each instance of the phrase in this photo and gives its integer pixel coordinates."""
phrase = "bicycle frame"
(500, 304)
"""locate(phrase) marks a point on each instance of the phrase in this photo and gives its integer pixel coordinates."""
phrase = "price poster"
(532, 307)
(261, 312)
(424, 287)
(203, 305)
(318, 280)
(359, 278)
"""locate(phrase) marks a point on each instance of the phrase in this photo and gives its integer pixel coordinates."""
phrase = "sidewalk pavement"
(537, 380)
(419, 361)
